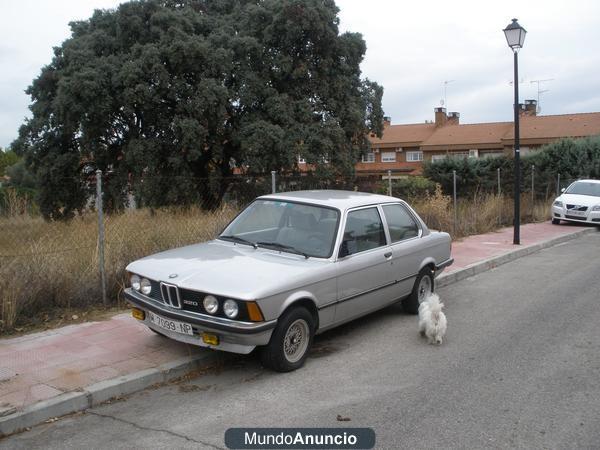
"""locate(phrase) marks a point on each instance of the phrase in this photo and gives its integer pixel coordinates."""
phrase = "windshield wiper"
(289, 248)
(235, 238)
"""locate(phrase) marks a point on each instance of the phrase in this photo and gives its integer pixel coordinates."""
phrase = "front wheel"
(290, 341)
(555, 221)
(422, 288)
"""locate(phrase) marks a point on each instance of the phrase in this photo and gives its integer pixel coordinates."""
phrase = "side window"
(364, 231)
(400, 223)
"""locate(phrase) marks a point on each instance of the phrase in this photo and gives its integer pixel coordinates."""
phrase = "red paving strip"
(43, 365)
(474, 249)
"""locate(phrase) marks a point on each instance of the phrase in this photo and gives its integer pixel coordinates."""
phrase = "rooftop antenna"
(443, 101)
(540, 91)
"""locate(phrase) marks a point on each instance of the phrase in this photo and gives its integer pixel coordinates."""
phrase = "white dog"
(432, 321)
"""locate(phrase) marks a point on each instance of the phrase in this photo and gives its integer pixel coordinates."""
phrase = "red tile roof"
(553, 127)
(404, 135)
(534, 129)
(467, 136)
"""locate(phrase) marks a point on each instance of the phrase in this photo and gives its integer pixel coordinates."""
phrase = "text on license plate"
(171, 325)
(576, 213)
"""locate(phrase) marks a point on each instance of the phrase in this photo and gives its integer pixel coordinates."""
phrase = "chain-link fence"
(46, 265)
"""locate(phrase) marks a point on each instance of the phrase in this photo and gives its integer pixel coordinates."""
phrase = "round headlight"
(135, 282)
(230, 308)
(211, 304)
(145, 286)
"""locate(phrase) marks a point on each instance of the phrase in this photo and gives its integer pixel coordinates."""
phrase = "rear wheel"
(422, 288)
(290, 341)
(555, 221)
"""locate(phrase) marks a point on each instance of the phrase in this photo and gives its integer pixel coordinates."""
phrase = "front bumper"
(234, 336)
(563, 214)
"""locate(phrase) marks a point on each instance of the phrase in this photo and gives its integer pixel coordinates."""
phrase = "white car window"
(364, 231)
(400, 223)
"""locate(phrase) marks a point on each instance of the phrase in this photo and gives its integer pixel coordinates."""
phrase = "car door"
(365, 275)
(406, 245)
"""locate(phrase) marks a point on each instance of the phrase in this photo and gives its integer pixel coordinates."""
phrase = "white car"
(580, 202)
(289, 266)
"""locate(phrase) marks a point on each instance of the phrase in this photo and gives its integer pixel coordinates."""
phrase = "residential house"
(403, 148)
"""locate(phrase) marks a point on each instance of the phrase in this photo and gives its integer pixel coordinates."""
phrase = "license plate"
(576, 213)
(170, 325)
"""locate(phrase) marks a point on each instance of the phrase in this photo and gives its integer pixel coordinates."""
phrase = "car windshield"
(584, 188)
(291, 227)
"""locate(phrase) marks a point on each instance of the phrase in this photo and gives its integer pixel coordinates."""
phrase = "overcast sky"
(412, 48)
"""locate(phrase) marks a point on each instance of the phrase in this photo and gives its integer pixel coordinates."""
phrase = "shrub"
(410, 188)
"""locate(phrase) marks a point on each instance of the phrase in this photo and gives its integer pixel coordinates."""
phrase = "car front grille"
(577, 208)
(189, 300)
(155, 292)
(170, 295)
(575, 217)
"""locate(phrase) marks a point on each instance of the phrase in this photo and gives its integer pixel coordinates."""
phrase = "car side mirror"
(563, 190)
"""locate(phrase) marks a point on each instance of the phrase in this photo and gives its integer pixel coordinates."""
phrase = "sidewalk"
(48, 374)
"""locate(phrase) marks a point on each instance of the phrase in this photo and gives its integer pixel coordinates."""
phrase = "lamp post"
(515, 36)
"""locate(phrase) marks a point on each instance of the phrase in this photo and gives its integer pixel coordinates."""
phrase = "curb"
(128, 384)
(511, 255)
(95, 394)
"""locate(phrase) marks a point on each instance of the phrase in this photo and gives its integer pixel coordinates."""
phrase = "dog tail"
(435, 306)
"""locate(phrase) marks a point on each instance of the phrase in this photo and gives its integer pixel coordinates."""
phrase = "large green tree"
(165, 94)
(7, 159)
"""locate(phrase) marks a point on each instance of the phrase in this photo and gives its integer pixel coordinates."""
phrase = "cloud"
(412, 47)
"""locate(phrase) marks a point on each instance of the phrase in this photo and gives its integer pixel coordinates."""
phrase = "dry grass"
(477, 215)
(47, 267)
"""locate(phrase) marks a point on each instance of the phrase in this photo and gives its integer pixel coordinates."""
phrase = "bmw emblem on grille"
(173, 275)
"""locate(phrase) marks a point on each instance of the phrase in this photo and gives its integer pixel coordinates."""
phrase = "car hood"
(581, 200)
(228, 269)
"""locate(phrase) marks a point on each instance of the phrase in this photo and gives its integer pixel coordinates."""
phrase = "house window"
(388, 157)
(458, 155)
(414, 156)
(474, 153)
(368, 157)
(436, 158)
(491, 153)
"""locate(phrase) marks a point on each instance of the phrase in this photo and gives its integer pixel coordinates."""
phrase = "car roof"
(333, 198)
(588, 181)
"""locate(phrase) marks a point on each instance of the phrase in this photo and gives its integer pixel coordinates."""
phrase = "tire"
(423, 283)
(555, 221)
(295, 323)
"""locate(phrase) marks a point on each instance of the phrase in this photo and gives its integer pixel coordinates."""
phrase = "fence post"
(454, 197)
(498, 170)
(100, 234)
(390, 183)
(532, 185)
(273, 185)
(558, 185)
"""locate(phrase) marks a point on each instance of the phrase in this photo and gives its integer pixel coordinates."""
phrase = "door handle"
(387, 255)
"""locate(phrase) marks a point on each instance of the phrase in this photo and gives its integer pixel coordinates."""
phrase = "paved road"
(520, 368)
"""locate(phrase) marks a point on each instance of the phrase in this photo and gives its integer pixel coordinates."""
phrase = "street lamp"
(515, 36)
